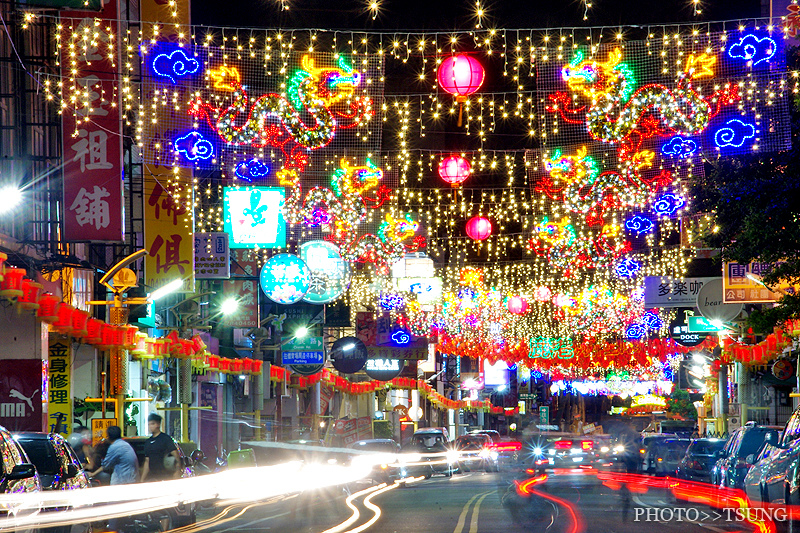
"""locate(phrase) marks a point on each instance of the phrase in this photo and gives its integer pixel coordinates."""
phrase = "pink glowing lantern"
(517, 305)
(542, 294)
(461, 75)
(479, 228)
(454, 170)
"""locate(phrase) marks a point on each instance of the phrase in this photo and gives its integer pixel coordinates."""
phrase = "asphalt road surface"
(476, 502)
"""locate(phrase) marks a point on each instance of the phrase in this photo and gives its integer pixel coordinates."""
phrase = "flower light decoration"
(461, 75)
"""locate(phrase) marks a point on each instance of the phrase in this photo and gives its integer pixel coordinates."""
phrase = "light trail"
(372, 507)
(356, 514)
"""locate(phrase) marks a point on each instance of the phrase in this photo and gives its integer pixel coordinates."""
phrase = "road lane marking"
(462, 518)
(473, 526)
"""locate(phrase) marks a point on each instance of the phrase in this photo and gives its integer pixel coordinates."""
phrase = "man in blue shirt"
(120, 458)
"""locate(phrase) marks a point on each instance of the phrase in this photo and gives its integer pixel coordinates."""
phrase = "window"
(792, 431)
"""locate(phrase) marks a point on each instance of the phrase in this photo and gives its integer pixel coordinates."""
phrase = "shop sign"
(246, 293)
(306, 370)
(348, 355)
(99, 428)
(427, 290)
(416, 351)
(21, 394)
(91, 127)
(648, 399)
(700, 324)
(711, 305)
(741, 283)
(330, 274)
(168, 224)
(253, 216)
(668, 292)
(285, 279)
(679, 332)
(59, 384)
(212, 259)
(384, 369)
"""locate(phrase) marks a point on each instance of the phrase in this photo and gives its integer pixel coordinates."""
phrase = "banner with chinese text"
(168, 227)
(211, 255)
(59, 384)
(742, 283)
(246, 292)
(91, 131)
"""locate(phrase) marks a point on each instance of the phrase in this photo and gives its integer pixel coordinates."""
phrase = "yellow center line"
(462, 519)
(473, 525)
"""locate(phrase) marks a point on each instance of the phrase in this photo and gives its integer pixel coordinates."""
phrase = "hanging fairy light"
(461, 75)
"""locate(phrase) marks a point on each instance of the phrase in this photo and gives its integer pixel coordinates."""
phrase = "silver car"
(775, 475)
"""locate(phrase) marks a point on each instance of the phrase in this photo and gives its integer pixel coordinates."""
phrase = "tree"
(756, 210)
(679, 403)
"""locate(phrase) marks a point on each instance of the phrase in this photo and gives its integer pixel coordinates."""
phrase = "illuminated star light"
(373, 7)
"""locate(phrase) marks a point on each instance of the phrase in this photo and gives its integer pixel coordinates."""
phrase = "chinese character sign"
(211, 256)
(254, 217)
(742, 283)
(59, 396)
(672, 292)
(246, 292)
(168, 227)
(92, 135)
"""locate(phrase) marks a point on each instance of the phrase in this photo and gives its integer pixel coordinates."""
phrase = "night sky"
(452, 15)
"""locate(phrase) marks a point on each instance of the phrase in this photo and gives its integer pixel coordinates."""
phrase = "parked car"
(433, 446)
(731, 465)
(56, 462)
(668, 454)
(388, 470)
(17, 473)
(699, 459)
(775, 474)
(476, 452)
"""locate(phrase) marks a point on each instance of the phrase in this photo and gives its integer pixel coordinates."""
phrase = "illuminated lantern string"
(479, 228)
(454, 170)
(461, 75)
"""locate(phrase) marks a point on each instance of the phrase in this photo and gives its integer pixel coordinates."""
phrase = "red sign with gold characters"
(92, 134)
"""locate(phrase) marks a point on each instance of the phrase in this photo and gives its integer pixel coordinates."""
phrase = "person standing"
(157, 449)
(120, 459)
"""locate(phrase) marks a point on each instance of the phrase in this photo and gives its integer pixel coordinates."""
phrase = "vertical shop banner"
(211, 256)
(59, 385)
(741, 283)
(168, 227)
(21, 394)
(92, 129)
(246, 292)
(168, 191)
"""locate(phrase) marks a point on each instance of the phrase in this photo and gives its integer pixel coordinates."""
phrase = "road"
(478, 502)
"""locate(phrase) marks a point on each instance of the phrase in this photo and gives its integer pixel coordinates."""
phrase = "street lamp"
(12, 197)
(229, 306)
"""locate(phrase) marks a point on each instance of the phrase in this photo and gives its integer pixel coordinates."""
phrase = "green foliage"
(383, 429)
(754, 199)
(679, 403)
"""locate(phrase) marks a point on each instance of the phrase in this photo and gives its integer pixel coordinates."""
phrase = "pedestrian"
(120, 459)
(161, 457)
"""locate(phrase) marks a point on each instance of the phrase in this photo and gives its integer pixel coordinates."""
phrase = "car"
(433, 446)
(17, 474)
(56, 462)
(389, 469)
(570, 452)
(476, 451)
(775, 474)
(507, 450)
(668, 454)
(731, 466)
(699, 459)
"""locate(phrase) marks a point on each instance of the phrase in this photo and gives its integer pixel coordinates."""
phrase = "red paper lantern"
(517, 305)
(237, 365)
(29, 300)
(248, 365)
(479, 228)
(454, 170)
(461, 75)
(225, 365)
(63, 322)
(11, 286)
(80, 323)
(94, 331)
(129, 336)
(48, 305)
(212, 361)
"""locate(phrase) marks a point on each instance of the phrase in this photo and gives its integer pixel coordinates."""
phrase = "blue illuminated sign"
(734, 133)
(752, 48)
(193, 146)
(251, 169)
(668, 203)
(175, 65)
(639, 224)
